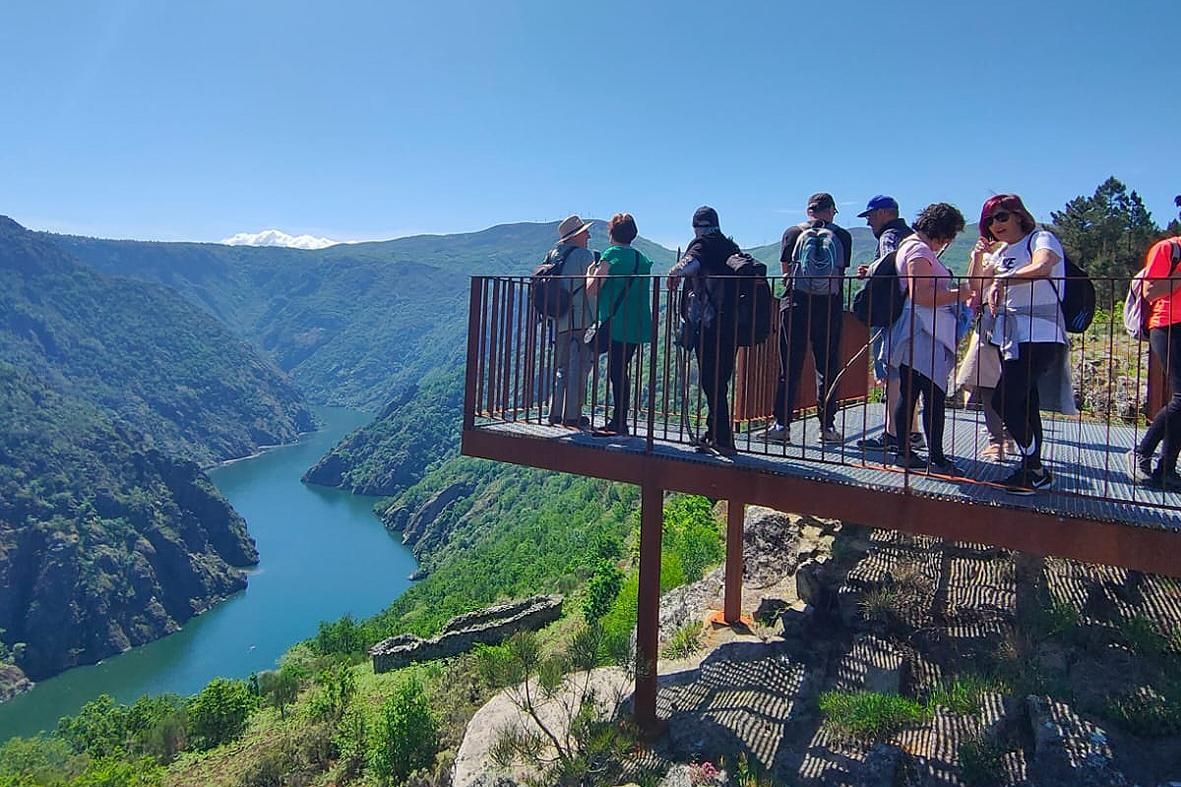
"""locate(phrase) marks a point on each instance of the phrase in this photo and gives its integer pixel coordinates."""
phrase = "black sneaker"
(911, 461)
(882, 443)
(946, 467)
(1139, 466)
(917, 442)
(1025, 482)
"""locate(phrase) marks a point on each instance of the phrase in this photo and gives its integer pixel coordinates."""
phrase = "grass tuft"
(869, 714)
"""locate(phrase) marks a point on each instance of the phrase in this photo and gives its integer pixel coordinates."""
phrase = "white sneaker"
(831, 435)
(776, 433)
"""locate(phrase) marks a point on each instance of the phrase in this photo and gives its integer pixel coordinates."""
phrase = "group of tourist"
(1011, 297)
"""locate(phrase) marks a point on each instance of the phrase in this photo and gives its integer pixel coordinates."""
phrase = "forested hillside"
(111, 394)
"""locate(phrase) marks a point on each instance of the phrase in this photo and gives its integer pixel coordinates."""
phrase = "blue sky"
(187, 120)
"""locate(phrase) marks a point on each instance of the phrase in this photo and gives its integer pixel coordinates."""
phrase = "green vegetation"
(407, 734)
(981, 762)
(870, 714)
(684, 642)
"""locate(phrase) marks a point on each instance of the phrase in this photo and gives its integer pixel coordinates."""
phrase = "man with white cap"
(572, 358)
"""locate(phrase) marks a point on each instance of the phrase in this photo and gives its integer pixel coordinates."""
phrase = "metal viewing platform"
(1095, 511)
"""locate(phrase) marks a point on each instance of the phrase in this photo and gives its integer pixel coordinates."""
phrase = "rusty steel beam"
(1139, 548)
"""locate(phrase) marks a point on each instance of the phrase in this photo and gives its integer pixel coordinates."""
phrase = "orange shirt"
(1161, 257)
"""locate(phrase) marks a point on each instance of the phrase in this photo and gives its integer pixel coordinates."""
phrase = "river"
(322, 553)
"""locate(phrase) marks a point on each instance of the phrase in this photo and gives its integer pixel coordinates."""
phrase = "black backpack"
(547, 292)
(752, 299)
(1077, 297)
(879, 303)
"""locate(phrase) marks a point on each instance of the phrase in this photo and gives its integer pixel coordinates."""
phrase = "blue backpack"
(817, 259)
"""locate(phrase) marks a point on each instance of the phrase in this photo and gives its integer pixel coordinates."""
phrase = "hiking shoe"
(1025, 482)
(831, 435)
(882, 443)
(945, 467)
(578, 423)
(917, 442)
(911, 461)
(1166, 482)
(1139, 466)
(776, 433)
(610, 430)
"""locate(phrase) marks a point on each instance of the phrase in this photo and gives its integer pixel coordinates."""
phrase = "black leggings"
(619, 357)
(914, 383)
(1166, 426)
(1016, 397)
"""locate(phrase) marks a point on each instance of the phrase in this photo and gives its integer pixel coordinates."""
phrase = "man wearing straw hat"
(572, 358)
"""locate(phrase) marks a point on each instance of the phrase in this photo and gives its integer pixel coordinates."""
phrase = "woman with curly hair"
(924, 337)
(1025, 296)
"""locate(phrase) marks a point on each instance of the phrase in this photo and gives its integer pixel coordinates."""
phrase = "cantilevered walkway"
(1095, 512)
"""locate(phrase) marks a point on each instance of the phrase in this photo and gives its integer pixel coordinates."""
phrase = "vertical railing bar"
(653, 338)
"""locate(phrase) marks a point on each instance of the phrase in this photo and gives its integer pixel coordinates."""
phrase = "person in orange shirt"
(1162, 290)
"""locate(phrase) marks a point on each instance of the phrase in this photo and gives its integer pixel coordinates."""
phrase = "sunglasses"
(1001, 216)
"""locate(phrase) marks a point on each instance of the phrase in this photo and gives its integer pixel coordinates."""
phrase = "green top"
(632, 321)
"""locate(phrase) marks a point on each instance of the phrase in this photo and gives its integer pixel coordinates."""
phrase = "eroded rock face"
(489, 626)
(12, 682)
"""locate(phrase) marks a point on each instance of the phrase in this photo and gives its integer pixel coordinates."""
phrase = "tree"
(407, 734)
(220, 712)
(1107, 234)
(279, 688)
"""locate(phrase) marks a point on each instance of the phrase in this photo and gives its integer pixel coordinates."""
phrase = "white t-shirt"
(1031, 310)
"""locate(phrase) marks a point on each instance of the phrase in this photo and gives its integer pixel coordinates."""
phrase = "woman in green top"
(623, 299)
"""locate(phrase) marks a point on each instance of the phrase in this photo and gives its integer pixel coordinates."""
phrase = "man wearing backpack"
(572, 358)
(712, 299)
(881, 215)
(1161, 291)
(813, 256)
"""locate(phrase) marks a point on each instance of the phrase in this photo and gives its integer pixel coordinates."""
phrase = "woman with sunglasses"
(1028, 275)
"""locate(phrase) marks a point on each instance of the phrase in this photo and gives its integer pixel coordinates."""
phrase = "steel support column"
(648, 612)
(732, 606)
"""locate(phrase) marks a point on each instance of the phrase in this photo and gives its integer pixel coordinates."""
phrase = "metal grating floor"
(1087, 460)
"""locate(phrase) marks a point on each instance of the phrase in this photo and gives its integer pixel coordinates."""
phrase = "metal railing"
(1115, 386)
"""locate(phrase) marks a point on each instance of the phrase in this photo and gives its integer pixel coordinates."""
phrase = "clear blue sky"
(181, 119)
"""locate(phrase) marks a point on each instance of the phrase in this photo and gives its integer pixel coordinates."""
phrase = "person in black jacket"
(712, 297)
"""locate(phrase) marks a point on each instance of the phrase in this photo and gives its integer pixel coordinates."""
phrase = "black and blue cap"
(879, 202)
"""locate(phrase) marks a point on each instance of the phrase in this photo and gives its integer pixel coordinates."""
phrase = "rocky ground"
(1051, 672)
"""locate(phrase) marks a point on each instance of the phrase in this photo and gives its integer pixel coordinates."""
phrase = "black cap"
(821, 200)
(705, 216)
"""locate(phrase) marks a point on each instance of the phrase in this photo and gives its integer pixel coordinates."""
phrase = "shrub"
(981, 762)
(337, 686)
(220, 712)
(684, 642)
(279, 688)
(406, 736)
(601, 590)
